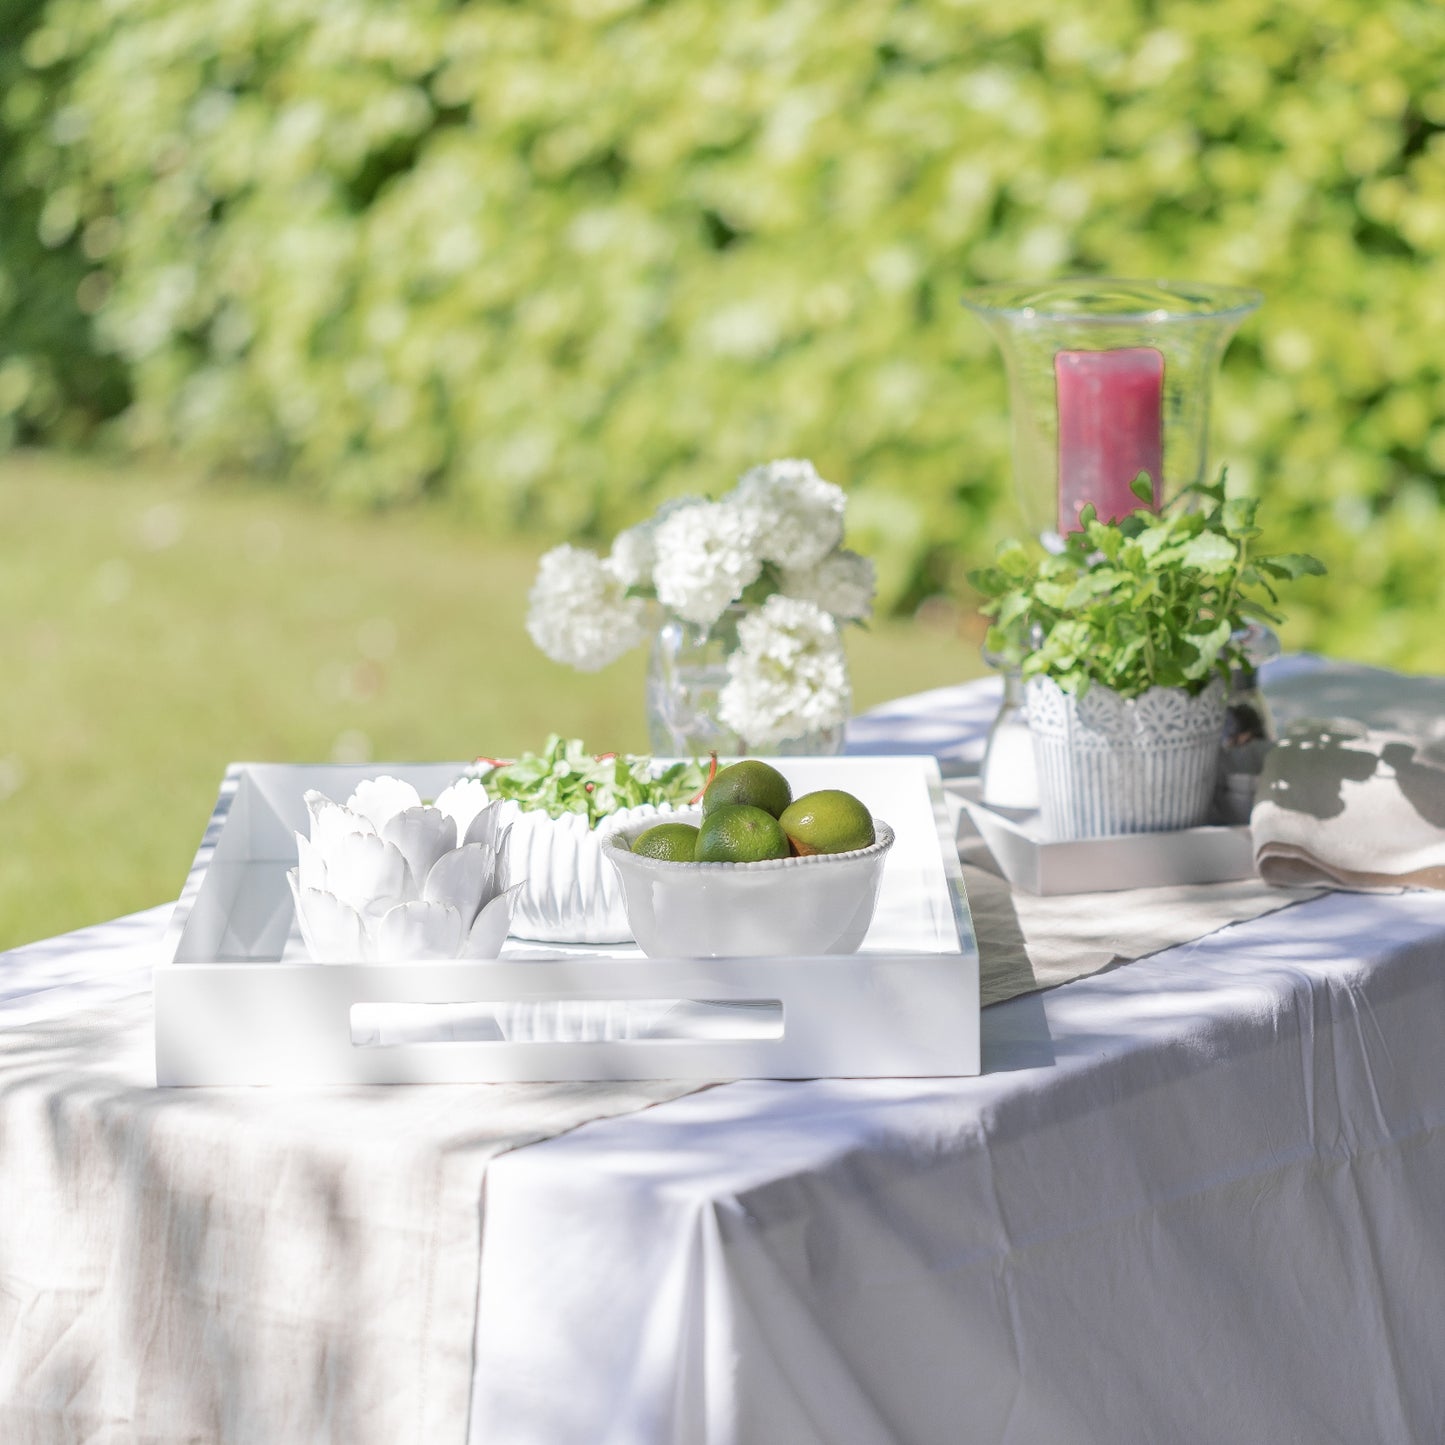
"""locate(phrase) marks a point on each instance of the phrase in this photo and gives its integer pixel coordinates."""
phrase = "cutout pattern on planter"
(1110, 765)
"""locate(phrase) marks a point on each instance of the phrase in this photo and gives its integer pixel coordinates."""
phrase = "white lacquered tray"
(238, 1002)
(1030, 860)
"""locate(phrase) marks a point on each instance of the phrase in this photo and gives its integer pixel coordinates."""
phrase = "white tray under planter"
(238, 1001)
(1032, 860)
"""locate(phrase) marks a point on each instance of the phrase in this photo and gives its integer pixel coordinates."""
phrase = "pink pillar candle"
(1111, 428)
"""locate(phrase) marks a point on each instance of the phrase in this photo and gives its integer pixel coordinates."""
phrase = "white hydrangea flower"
(707, 553)
(578, 612)
(634, 552)
(632, 556)
(842, 584)
(800, 515)
(788, 676)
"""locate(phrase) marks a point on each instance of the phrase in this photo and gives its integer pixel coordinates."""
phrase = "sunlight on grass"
(157, 629)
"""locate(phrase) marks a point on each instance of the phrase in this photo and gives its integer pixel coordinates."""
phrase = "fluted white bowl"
(568, 893)
(797, 906)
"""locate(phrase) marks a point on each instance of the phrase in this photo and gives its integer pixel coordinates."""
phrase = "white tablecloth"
(1200, 1198)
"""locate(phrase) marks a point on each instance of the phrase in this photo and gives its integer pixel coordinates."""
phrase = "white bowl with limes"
(819, 904)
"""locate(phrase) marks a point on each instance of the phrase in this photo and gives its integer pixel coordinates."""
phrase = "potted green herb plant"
(1126, 639)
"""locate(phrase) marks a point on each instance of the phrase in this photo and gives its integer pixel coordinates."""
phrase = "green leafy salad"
(565, 778)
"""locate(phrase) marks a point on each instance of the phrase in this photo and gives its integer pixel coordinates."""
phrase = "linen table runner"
(233, 1266)
(1028, 943)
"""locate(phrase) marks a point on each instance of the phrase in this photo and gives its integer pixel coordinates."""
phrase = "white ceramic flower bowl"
(385, 878)
(794, 906)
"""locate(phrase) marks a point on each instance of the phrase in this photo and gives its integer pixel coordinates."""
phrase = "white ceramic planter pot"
(1106, 765)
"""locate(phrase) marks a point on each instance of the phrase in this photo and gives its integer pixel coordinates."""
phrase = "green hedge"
(558, 260)
(55, 383)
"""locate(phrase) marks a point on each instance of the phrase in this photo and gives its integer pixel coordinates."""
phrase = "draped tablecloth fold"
(247, 1266)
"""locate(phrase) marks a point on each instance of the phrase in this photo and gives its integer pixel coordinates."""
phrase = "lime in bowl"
(800, 907)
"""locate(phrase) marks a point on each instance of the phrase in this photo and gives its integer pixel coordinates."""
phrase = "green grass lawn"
(156, 628)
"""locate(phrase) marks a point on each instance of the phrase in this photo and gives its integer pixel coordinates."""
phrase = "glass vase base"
(686, 674)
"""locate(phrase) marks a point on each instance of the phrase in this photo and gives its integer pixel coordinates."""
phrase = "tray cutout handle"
(381, 1025)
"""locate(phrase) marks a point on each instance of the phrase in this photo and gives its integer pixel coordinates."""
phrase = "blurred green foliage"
(561, 258)
(55, 382)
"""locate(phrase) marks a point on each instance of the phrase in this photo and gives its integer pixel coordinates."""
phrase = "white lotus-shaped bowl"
(386, 879)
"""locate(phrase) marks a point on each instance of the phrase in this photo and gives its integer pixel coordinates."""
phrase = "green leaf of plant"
(1013, 560)
(1012, 607)
(1209, 645)
(1209, 552)
(1238, 515)
(1258, 612)
(1053, 594)
(1152, 540)
(991, 581)
(1105, 539)
(1100, 582)
(1293, 565)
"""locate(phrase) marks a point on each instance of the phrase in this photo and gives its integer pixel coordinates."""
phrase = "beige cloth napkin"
(218, 1266)
(1351, 808)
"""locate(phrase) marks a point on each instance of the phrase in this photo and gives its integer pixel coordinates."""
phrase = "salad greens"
(565, 778)
(1154, 599)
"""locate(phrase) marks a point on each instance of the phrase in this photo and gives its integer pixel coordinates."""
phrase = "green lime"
(828, 821)
(738, 833)
(749, 782)
(672, 842)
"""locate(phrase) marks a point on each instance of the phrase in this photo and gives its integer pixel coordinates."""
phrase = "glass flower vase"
(686, 673)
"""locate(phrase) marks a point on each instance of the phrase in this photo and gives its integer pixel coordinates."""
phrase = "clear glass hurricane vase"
(1107, 378)
(686, 674)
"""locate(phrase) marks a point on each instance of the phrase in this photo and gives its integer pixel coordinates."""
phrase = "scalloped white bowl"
(796, 906)
(568, 894)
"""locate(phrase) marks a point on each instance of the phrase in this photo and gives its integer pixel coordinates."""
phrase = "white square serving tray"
(1030, 860)
(237, 1000)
